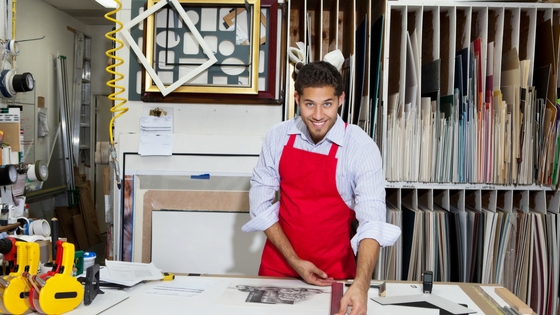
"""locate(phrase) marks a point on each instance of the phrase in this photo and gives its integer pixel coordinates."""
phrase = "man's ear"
(341, 99)
(296, 98)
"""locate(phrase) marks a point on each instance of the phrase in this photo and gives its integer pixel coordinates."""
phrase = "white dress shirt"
(359, 178)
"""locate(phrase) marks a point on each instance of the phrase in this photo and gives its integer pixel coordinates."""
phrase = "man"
(328, 173)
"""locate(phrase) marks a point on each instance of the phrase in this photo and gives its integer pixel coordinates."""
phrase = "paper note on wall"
(156, 135)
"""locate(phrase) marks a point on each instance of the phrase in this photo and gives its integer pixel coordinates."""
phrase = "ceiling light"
(110, 4)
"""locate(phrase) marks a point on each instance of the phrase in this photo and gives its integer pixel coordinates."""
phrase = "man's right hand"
(310, 273)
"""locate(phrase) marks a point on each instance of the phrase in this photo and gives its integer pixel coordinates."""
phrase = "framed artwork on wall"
(176, 45)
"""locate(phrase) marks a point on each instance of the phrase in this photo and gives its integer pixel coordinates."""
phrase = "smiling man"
(328, 174)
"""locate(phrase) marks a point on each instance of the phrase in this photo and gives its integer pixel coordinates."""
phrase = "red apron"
(312, 214)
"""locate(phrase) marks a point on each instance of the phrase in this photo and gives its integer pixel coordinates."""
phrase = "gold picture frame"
(246, 84)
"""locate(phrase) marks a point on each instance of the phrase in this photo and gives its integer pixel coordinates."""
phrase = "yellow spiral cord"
(118, 102)
(14, 19)
(116, 76)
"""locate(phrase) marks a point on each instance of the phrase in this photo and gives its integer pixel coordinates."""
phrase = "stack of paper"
(128, 273)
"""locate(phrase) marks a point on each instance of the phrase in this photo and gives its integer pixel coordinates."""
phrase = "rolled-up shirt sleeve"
(369, 194)
(265, 183)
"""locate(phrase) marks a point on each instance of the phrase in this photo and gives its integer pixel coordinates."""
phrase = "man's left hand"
(355, 297)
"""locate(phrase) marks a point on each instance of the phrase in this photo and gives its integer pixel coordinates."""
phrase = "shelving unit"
(443, 29)
(86, 114)
(83, 111)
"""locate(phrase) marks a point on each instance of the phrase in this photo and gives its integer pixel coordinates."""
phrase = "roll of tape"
(8, 174)
(24, 224)
(6, 88)
(38, 171)
(31, 172)
(102, 149)
(23, 82)
(12, 47)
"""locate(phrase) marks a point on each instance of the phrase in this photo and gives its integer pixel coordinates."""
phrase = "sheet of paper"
(156, 135)
(181, 287)
(129, 273)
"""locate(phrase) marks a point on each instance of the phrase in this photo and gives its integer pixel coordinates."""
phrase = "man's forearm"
(356, 295)
(368, 253)
(304, 268)
(277, 236)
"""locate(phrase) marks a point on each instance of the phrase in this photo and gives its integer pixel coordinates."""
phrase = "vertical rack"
(85, 152)
(445, 29)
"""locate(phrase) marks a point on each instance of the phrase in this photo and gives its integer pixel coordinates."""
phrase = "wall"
(206, 128)
(202, 119)
(35, 19)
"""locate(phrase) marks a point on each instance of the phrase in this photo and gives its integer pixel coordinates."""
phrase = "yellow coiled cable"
(13, 19)
(119, 102)
(117, 76)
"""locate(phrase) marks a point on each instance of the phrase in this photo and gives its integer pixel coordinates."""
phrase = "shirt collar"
(336, 134)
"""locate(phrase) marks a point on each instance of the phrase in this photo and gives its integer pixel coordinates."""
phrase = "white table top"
(220, 295)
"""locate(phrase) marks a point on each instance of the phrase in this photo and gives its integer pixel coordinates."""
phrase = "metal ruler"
(336, 295)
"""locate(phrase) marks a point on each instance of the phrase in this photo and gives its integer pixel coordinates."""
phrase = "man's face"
(318, 108)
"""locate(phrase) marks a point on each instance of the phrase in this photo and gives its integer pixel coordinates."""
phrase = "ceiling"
(88, 12)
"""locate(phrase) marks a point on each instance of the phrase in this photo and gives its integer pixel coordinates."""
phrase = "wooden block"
(513, 301)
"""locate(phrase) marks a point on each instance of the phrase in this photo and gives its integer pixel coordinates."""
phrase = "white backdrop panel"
(205, 242)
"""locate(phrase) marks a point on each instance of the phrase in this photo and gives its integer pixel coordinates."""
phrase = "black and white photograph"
(267, 293)
(277, 295)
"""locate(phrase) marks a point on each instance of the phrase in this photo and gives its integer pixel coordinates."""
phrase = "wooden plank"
(89, 214)
(326, 28)
(65, 224)
(9, 227)
(513, 301)
(297, 13)
(106, 181)
(477, 299)
(347, 28)
(80, 231)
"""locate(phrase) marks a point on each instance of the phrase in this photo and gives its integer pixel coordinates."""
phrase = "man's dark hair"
(319, 74)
